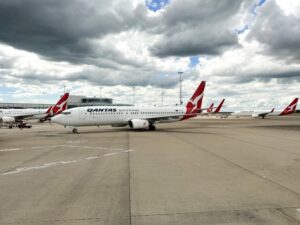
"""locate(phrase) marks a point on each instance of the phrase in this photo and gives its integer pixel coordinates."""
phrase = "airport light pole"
(162, 97)
(180, 87)
(133, 92)
(100, 90)
(64, 89)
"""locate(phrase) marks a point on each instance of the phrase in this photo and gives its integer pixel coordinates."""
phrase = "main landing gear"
(152, 127)
(75, 131)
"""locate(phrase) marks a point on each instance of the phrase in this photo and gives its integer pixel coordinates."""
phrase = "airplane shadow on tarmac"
(185, 130)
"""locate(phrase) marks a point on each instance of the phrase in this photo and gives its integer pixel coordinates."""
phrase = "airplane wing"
(176, 116)
(28, 116)
(263, 114)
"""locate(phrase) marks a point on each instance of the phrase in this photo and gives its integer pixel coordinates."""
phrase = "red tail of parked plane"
(291, 108)
(210, 108)
(195, 102)
(219, 106)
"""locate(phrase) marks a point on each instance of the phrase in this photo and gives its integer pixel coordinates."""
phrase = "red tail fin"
(291, 108)
(219, 106)
(195, 103)
(210, 108)
(49, 110)
(61, 105)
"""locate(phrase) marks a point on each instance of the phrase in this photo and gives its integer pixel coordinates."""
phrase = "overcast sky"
(247, 51)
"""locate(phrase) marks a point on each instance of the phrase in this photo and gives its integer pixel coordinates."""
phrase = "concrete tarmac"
(200, 171)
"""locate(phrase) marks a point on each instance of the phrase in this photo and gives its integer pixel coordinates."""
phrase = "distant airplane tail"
(219, 106)
(61, 105)
(291, 108)
(195, 102)
(272, 110)
(210, 108)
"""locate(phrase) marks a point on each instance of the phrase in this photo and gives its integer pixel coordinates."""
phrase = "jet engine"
(255, 115)
(139, 124)
(7, 119)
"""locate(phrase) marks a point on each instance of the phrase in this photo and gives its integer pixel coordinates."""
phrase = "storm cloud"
(87, 43)
(64, 30)
(278, 31)
(69, 30)
(198, 28)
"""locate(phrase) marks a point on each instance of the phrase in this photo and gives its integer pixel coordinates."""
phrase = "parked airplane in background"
(210, 110)
(218, 109)
(16, 116)
(135, 117)
(291, 108)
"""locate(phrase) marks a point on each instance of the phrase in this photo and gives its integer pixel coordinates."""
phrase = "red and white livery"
(132, 116)
(291, 108)
(16, 116)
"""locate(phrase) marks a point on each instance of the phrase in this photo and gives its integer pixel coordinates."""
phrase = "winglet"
(291, 108)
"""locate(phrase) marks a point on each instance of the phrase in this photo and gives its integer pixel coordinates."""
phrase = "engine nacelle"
(139, 124)
(255, 115)
(7, 119)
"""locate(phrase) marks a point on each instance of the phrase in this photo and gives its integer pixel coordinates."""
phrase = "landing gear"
(75, 131)
(152, 127)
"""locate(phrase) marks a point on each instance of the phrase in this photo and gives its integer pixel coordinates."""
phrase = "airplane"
(210, 110)
(136, 118)
(56, 109)
(218, 109)
(291, 108)
(16, 116)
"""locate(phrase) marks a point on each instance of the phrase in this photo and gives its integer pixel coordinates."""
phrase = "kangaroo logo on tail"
(195, 102)
(61, 105)
(291, 108)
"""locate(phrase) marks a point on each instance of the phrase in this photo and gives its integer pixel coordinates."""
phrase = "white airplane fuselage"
(12, 113)
(117, 115)
(255, 113)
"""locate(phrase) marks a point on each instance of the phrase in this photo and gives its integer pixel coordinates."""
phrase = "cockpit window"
(66, 113)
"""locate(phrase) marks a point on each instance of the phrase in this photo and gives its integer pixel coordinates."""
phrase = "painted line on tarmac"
(57, 146)
(86, 147)
(52, 164)
(11, 149)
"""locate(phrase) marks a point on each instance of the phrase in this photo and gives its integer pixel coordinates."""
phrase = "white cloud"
(244, 75)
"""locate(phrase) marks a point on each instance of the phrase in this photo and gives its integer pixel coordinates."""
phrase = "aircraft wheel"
(152, 127)
(75, 131)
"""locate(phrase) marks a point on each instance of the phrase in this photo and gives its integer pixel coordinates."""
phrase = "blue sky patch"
(253, 13)
(194, 61)
(155, 5)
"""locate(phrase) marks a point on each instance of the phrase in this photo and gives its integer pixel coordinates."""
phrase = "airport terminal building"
(73, 101)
